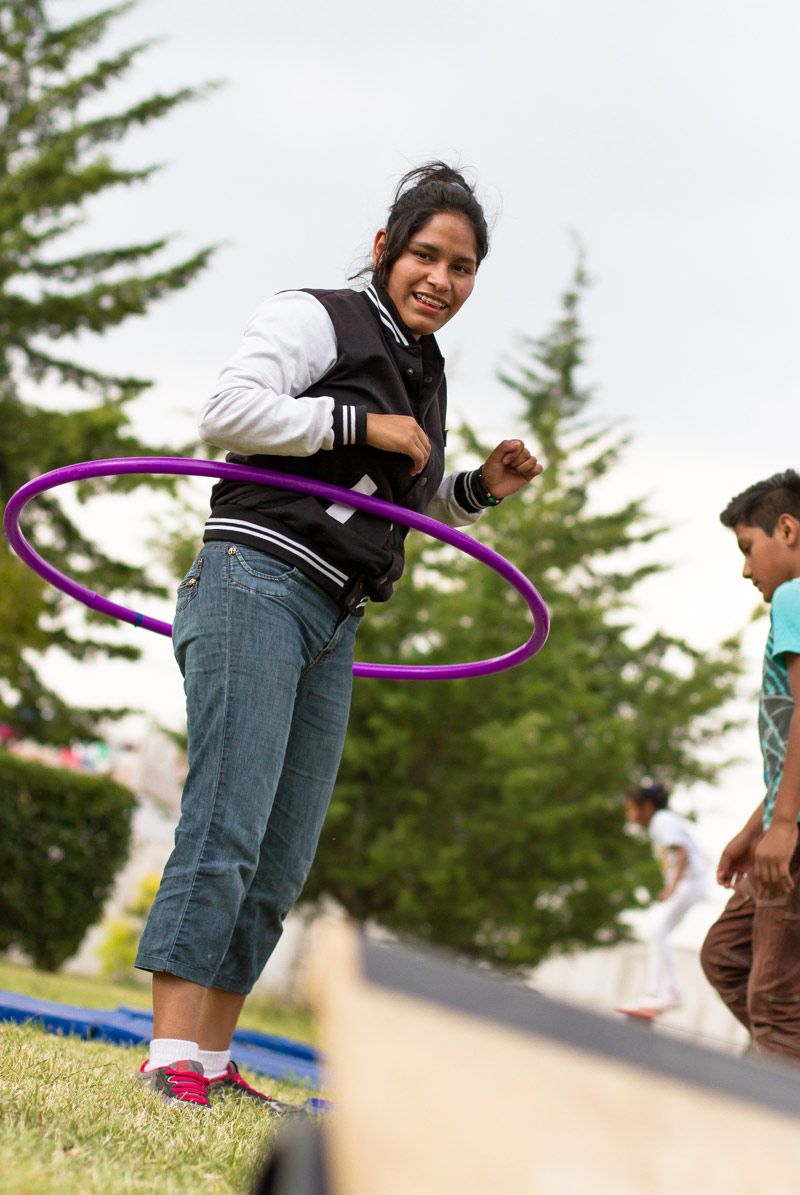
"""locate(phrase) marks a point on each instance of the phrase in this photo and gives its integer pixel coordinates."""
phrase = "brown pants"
(751, 956)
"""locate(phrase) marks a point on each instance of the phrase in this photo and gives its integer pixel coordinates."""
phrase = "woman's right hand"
(400, 433)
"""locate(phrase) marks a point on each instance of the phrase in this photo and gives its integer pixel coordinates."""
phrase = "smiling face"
(769, 560)
(435, 273)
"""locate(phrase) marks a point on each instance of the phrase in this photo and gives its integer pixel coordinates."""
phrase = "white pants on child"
(662, 979)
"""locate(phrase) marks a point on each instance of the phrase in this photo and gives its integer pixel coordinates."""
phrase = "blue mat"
(280, 1058)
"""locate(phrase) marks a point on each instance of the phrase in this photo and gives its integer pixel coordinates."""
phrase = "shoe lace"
(239, 1081)
(189, 1086)
(236, 1079)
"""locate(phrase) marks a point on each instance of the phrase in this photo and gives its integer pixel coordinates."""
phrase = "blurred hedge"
(63, 837)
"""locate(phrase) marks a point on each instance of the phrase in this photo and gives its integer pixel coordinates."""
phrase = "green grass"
(75, 1122)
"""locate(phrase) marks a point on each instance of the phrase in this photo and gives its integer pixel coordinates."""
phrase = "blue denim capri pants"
(267, 660)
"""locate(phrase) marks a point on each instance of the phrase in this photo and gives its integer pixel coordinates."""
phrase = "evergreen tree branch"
(99, 307)
(91, 381)
(51, 163)
(94, 262)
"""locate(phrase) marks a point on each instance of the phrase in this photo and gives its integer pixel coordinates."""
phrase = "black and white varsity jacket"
(295, 398)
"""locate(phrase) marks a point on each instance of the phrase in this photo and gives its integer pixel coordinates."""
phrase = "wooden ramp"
(450, 1081)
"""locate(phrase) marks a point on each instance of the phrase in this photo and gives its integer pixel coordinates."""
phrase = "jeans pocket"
(187, 590)
(261, 573)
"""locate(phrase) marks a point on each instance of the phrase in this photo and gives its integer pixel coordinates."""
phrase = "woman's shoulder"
(300, 302)
(342, 299)
(343, 293)
(289, 314)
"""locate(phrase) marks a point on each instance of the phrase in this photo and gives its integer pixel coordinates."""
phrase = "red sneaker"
(233, 1083)
(183, 1082)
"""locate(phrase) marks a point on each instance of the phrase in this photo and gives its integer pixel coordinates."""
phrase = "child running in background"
(685, 880)
(751, 954)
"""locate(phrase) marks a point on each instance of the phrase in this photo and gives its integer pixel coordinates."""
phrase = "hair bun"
(421, 194)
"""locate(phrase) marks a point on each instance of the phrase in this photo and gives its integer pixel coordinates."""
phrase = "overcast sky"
(665, 137)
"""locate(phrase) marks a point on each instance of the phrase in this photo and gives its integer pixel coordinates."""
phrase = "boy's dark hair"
(762, 504)
(422, 193)
(648, 790)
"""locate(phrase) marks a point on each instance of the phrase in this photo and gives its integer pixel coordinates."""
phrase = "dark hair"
(422, 193)
(762, 504)
(648, 790)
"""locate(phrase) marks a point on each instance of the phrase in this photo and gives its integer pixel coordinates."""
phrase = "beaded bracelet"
(490, 499)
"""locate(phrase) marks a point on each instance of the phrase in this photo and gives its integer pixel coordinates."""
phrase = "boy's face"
(769, 560)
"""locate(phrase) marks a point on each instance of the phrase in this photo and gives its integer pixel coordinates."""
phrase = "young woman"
(344, 386)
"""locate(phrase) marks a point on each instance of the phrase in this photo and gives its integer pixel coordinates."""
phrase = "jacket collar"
(388, 315)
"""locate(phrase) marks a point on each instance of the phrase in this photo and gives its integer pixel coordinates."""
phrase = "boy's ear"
(789, 528)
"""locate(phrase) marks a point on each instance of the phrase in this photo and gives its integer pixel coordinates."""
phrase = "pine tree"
(486, 815)
(55, 156)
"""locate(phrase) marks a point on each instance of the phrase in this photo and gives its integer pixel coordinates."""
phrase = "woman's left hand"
(508, 468)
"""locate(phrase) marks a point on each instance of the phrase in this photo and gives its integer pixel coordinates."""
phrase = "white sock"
(166, 1050)
(215, 1062)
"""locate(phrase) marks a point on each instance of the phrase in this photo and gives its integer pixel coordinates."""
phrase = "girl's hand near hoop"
(508, 468)
(400, 433)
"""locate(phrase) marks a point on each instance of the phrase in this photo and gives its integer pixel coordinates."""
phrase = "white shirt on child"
(668, 829)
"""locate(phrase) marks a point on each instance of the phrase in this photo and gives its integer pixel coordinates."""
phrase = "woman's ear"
(378, 245)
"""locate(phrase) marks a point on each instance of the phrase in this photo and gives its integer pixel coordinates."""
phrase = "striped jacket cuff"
(349, 424)
(470, 492)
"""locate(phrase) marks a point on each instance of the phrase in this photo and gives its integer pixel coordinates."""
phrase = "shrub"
(117, 948)
(63, 837)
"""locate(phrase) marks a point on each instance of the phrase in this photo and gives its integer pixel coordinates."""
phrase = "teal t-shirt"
(776, 704)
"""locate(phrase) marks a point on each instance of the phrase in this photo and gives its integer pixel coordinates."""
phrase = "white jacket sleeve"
(259, 405)
(443, 506)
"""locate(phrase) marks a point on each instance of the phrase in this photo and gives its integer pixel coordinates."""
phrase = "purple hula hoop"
(328, 493)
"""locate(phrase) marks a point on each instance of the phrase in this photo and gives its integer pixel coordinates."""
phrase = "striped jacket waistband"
(331, 578)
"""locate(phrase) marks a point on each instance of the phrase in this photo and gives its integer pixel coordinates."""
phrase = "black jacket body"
(352, 556)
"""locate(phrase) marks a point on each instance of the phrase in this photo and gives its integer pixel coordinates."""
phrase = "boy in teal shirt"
(751, 955)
